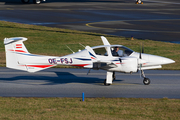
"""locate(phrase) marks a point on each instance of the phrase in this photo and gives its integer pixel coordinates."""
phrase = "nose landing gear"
(146, 81)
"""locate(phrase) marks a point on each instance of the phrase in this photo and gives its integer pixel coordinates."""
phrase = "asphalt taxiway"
(156, 19)
(59, 82)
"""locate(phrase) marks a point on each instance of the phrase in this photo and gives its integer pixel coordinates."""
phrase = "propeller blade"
(140, 70)
(142, 48)
(120, 60)
(140, 57)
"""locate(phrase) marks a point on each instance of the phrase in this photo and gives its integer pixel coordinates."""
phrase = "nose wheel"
(146, 81)
(106, 84)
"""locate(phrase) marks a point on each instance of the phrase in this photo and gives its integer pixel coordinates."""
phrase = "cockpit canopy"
(116, 50)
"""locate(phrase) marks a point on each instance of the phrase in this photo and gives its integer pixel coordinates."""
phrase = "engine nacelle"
(129, 64)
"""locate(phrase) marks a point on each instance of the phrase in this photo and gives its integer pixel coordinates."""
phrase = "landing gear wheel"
(106, 84)
(36, 1)
(24, 1)
(146, 81)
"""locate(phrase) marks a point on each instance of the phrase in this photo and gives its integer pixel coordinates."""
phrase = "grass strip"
(90, 109)
(53, 41)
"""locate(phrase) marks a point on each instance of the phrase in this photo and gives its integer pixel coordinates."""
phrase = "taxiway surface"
(155, 19)
(59, 82)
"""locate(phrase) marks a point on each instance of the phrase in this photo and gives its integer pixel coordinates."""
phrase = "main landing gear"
(110, 77)
(146, 81)
(139, 2)
(106, 84)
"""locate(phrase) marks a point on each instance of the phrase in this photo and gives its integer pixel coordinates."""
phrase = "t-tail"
(18, 57)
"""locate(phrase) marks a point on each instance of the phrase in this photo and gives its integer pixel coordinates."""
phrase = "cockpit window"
(101, 51)
(120, 51)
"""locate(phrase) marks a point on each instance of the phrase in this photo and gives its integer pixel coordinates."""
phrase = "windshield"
(121, 51)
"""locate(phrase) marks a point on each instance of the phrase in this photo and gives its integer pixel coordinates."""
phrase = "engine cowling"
(129, 64)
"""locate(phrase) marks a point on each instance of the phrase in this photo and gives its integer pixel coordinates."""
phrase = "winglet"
(105, 41)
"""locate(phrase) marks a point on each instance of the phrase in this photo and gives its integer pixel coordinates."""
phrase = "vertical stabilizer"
(18, 57)
(13, 46)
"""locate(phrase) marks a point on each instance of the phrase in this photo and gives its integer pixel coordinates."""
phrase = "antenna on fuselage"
(70, 49)
(82, 45)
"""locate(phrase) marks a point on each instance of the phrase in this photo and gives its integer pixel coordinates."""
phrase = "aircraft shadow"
(61, 78)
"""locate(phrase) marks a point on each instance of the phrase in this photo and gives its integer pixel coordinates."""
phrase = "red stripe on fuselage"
(119, 63)
(80, 65)
(93, 58)
(40, 66)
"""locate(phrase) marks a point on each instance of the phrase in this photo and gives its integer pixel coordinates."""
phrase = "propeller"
(120, 60)
(141, 51)
(140, 57)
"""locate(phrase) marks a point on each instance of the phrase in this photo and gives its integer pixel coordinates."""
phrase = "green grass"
(90, 109)
(53, 41)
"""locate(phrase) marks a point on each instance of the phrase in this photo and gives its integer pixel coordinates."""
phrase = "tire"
(106, 83)
(36, 1)
(25, 1)
(146, 81)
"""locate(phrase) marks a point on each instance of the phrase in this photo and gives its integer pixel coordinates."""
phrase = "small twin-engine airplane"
(39, 1)
(112, 58)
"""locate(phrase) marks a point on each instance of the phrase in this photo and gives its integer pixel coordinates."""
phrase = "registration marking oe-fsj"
(62, 60)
